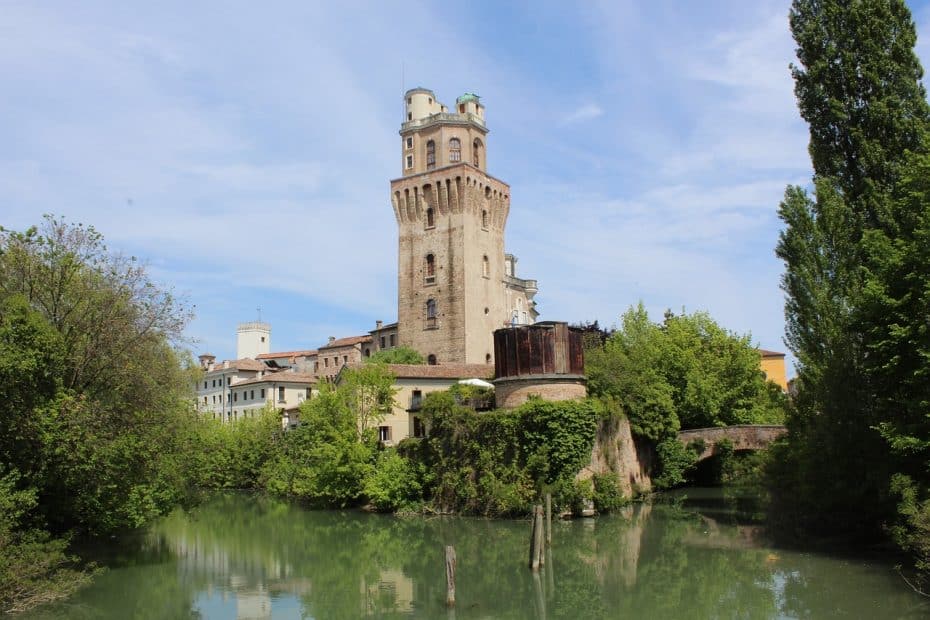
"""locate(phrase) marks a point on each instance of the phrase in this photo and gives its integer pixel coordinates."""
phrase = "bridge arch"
(741, 437)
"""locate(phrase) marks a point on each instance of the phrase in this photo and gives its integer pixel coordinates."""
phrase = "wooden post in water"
(541, 547)
(536, 539)
(450, 575)
(548, 519)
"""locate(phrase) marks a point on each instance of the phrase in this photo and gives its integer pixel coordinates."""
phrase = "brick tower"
(454, 285)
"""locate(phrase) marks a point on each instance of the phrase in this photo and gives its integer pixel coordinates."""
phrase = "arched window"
(476, 153)
(430, 268)
(455, 150)
(429, 218)
(430, 155)
(431, 359)
(430, 313)
(487, 358)
(485, 266)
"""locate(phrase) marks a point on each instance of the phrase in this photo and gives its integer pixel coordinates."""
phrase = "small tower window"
(409, 161)
(455, 150)
(430, 313)
(485, 266)
(430, 155)
(429, 218)
(430, 269)
(484, 219)
(476, 152)
(409, 143)
(431, 359)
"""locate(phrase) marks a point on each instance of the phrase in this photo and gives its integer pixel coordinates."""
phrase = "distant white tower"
(253, 339)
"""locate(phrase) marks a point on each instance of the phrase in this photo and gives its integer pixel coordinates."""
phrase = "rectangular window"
(417, 427)
(409, 161)
(228, 380)
(316, 366)
(326, 362)
(235, 397)
(263, 393)
(214, 383)
(214, 399)
(393, 337)
(409, 143)
(204, 385)
(384, 433)
(204, 400)
(308, 392)
(251, 394)
(416, 400)
(335, 361)
(345, 359)
(382, 343)
(281, 394)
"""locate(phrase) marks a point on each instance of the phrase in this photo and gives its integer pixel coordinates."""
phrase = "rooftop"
(767, 353)
(280, 377)
(347, 342)
(243, 364)
(272, 356)
(439, 371)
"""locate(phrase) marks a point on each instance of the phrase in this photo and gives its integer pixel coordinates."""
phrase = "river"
(245, 556)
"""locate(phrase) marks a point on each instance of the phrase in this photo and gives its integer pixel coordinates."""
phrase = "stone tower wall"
(470, 212)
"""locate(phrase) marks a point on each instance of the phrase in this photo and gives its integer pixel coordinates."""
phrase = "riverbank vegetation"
(95, 409)
(856, 462)
(686, 372)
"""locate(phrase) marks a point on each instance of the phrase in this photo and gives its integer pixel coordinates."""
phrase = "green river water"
(245, 556)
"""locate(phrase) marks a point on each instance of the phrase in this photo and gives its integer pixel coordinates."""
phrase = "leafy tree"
(854, 278)
(715, 375)
(397, 355)
(629, 369)
(858, 87)
(593, 336)
(328, 458)
(95, 415)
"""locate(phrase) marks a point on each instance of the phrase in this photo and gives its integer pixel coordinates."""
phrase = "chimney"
(379, 324)
(332, 339)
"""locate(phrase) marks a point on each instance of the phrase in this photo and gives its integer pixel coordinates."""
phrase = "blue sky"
(245, 149)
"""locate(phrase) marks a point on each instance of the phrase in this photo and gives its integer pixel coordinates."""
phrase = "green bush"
(674, 460)
(607, 494)
(395, 483)
(500, 462)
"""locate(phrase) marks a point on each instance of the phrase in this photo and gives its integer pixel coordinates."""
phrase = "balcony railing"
(529, 285)
(449, 117)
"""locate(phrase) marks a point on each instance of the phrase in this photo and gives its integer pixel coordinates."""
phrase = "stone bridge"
(742, 437)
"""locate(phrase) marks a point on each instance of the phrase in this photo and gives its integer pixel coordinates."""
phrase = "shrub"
(674, 460)
(395, 483)
(607, 494)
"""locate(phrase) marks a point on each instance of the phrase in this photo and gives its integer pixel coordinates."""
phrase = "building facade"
(455, 283)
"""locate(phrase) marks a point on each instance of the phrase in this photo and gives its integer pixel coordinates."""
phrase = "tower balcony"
(527, 285)
(443, 117)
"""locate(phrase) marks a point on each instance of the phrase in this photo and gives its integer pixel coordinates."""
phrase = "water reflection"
(241, 556)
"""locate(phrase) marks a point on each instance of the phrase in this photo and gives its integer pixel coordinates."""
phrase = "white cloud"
(586, 112)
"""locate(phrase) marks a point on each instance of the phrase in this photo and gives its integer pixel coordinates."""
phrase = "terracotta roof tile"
(440, 371)
(273, 356)
(766, 353)
(243, 364)
(280, 377)
(346, 342)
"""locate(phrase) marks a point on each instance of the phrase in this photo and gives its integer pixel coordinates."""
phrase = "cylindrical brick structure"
(545, 359)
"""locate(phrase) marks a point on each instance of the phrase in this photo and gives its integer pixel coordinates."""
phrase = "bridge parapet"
(742, 437)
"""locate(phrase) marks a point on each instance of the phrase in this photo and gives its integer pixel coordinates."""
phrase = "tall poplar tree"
(858, 86)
